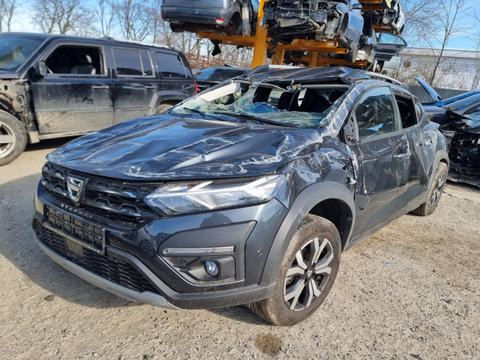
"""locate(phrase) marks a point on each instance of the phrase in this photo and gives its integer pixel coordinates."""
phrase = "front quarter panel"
(433, 147)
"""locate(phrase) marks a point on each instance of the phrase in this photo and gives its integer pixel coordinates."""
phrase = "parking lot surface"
(410, 291)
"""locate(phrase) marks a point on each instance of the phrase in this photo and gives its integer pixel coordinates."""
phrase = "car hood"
(166, 147)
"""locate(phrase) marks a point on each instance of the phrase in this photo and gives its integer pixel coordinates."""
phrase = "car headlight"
(205, 195)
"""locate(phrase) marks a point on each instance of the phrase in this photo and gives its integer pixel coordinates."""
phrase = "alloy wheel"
(438, 190)
(309, 273)
(7, 140)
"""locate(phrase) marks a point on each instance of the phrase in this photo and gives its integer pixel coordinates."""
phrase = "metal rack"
(317, 51)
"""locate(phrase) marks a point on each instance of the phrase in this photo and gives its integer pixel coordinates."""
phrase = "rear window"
(216, 74)
(172, 66)
(146, 63)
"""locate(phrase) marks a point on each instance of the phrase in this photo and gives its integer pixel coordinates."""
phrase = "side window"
(408, 112)
(146, 63)
(171, 66)
(127, 62)
(75, 60)
(376, 113)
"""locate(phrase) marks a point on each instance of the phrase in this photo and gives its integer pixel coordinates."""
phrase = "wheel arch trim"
(304, 203)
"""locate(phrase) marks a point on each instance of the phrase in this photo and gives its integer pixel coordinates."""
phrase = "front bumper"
(122, 291)
(133, 263)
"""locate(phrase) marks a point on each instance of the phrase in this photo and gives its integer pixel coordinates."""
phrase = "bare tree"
(105, 17)
(62, 16)
(162, 34)
(7, 9)
(133, 18)
(447, 19)
(418, 20)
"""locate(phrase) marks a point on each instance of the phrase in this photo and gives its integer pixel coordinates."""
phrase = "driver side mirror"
(40, 70)
(356, 7)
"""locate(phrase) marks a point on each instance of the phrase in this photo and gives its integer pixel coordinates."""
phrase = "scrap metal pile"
(459, 119)
(356, 25)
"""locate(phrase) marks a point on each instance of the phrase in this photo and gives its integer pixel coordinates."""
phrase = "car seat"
(84, 65)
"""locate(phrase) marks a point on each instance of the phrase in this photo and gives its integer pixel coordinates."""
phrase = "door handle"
(100, 87)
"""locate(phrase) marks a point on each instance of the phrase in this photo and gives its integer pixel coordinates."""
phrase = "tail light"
(196, 88)
(219, 21)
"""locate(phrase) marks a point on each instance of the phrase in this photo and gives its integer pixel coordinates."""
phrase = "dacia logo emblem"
(75, 188)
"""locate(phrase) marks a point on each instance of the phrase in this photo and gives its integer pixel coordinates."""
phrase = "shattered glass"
(295, 106)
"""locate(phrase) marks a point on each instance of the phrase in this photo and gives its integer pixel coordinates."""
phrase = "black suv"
(54, 86)
(245, 194)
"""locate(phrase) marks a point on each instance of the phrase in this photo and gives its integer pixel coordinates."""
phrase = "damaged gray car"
(245, 194)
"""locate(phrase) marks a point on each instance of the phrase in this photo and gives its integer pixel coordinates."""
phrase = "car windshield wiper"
(253, 118)
(204, 115)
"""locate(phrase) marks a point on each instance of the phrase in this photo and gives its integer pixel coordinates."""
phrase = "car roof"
(332, 74)
(71, 37)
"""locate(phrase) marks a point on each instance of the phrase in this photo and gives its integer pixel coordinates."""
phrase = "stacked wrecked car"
(355, 25)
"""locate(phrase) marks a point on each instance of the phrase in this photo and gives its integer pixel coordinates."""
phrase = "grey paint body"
(360, 186)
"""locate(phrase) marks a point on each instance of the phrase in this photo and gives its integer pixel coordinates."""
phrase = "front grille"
(105, 266)
(103, 196)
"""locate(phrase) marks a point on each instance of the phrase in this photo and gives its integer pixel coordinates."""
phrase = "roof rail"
(385, 78)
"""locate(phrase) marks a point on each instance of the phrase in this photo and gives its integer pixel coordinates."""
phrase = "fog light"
(211, 268)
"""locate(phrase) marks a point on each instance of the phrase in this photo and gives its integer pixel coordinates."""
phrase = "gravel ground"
(411, 291)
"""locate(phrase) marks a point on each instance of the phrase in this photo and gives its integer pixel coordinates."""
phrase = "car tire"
(13, 138)
(300, 289)
(435, 191)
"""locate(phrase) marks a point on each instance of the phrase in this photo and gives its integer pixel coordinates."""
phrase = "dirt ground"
(411, 291)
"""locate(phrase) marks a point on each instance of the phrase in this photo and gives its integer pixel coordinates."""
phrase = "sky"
(467, 40)
(464, 41)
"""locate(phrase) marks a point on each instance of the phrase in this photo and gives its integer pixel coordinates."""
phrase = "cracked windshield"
(297, 106)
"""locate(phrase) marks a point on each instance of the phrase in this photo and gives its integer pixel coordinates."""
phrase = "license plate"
(77, 232)
(74, 248)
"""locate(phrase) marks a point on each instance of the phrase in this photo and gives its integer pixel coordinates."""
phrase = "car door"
(384, 158)
(388, 46)
(76, 94)
(135, 83)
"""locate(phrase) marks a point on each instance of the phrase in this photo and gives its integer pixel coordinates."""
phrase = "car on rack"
(54, 86)
(227, 17)
(459, 119)
(340, 21)
(384, 15)
(247, 193)
(215, 75)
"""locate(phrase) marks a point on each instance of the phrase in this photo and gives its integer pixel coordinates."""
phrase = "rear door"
(384, 156)
(177, 78)
(76, 94)
(388, 46)
(135, 83)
